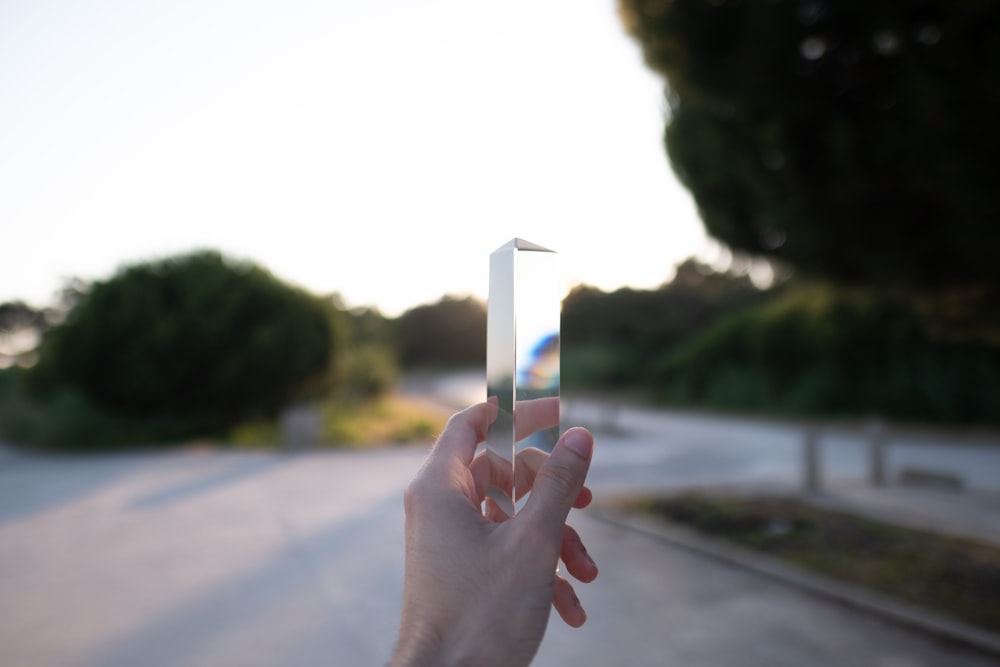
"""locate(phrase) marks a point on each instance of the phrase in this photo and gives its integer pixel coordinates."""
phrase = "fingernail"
(580, 442)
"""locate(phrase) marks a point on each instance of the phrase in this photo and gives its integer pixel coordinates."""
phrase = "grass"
(387, 420)
(953, 576)
(66, 421)
(359, 423)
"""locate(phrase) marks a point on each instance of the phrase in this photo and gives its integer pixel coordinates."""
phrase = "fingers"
(584, 499)
(580, 565)
(490, 469)
(464, 431)
(529, 462)
(568, 605)
(574, 555)
(534, 415)
(493, 512)
(559, 481)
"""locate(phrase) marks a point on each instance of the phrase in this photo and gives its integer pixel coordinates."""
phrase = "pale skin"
(479, 585)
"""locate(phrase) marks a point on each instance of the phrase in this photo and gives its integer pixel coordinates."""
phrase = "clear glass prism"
(522, 350)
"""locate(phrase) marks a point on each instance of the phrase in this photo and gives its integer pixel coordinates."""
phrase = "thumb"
(560, 480)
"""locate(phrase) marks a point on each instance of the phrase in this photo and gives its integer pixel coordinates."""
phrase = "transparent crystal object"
(522, 350)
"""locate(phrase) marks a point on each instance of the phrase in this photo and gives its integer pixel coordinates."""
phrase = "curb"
(844, 593)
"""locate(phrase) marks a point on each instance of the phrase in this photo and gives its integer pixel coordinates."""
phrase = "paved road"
(696, 449)
(655, 448)
(647, 450)
(205, 558)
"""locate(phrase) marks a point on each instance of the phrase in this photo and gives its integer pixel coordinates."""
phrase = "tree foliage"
(449, 333)
(198, 339)
(820, 352)
(608, 338)
(371, 367)
(21, 327)
(17, 316)
(852, 139)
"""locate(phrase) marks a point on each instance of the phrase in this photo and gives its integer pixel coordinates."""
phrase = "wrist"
(424, 645)
(423, 652)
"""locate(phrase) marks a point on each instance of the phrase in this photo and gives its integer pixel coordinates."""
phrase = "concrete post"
(811, 454)
(300, 427)
(876, 452)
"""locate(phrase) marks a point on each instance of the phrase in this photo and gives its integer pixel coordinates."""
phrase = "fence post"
(876, 451)
(300, 427)
(811, 453)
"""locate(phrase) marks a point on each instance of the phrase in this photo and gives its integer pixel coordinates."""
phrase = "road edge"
(844, 593)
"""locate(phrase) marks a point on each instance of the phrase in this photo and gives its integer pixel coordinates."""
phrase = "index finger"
(534, 415)
(464, 431)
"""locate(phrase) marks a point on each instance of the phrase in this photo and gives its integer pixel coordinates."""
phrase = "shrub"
(819, 352)
(199, 341)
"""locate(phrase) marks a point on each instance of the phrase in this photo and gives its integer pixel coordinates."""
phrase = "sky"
(379, 149)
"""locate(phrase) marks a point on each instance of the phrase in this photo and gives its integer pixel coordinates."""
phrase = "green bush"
(609, 338)
(448, 334)
(197, 342)
(368, 370)
(65, 419)
(819, 352)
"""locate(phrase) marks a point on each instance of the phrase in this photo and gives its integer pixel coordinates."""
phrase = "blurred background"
(255, 228)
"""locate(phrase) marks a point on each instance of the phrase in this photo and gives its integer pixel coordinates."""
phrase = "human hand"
(478, 588)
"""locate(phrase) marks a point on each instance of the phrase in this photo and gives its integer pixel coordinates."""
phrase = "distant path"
(451, 390)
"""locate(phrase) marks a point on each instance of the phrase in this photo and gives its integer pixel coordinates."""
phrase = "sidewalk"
(661, 600)
(968, 513)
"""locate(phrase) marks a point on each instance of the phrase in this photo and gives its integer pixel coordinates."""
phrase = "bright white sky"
(381, 149)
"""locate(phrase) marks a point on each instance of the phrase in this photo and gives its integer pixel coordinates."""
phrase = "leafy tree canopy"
(448, 333)
(852, 139)
(198, 338)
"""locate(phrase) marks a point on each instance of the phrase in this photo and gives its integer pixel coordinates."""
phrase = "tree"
(199, 339)
(608, 339)
(371, 368)
(816, 351)
(21, 327)
(855, 139)
(449, 333)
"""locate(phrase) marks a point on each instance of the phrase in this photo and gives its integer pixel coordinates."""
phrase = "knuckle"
(559, 477)
(412, 497)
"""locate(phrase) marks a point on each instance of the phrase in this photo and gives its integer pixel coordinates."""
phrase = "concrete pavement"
(200, 557)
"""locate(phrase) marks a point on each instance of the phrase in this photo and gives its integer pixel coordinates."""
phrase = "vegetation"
(124, 368)
(386, 420)
(203, 346)
(608, 339)
(370, 367)
(448, 334)
(850, 144)
(954, 576)
(199, 341)
(20, 330)
(853, 141)
(374, 421)
(182, 347)
(820, 352)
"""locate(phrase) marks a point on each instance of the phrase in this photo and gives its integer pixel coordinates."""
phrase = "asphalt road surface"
(205, 558)
(648, 448)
